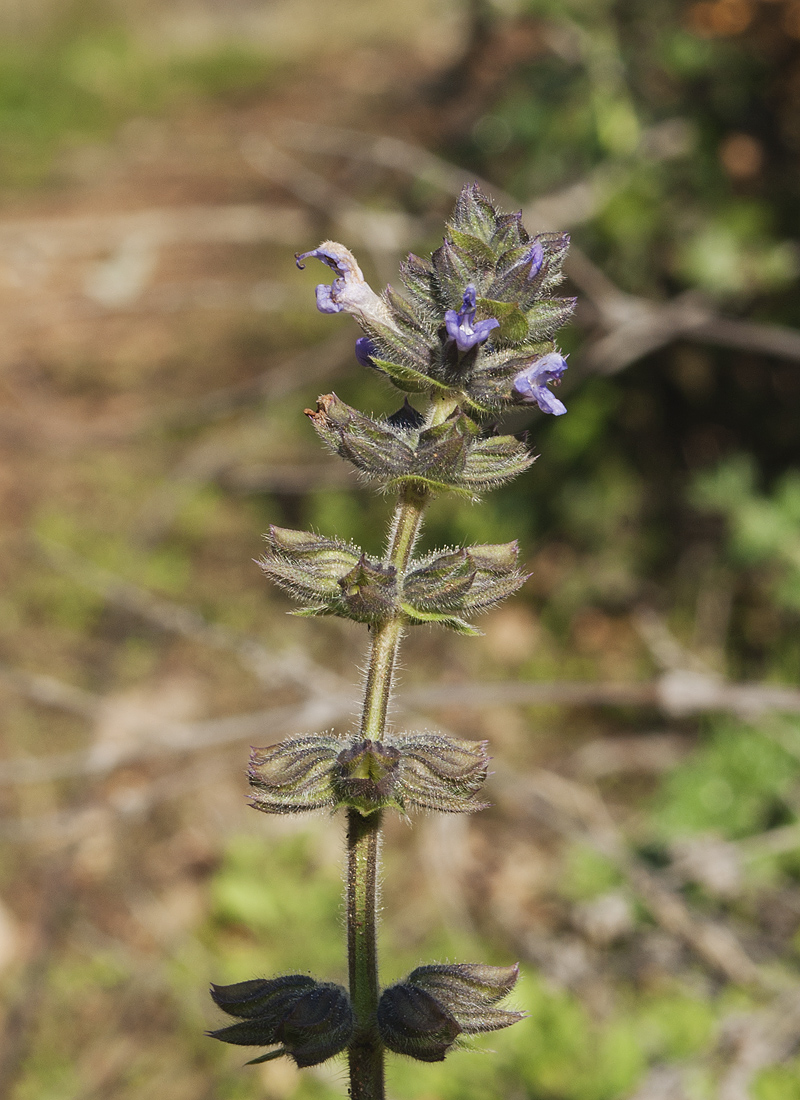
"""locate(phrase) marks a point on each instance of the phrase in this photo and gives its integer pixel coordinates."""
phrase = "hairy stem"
(363, 834)
(366, 1050)
(386, 637)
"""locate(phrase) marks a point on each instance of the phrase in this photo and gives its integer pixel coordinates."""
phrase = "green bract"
(454, 456)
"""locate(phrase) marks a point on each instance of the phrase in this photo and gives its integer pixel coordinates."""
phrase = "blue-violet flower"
(349, 292)
(531, 383)
(462, 327)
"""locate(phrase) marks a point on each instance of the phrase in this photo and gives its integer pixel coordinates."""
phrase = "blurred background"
(160, 163)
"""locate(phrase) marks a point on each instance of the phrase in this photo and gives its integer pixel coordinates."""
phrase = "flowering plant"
(471, 336)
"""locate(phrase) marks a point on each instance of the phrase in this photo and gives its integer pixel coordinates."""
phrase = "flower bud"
(309, 1020)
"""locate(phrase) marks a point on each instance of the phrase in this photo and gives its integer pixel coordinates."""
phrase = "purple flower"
(349, 292)
(535, 257)
(531, 383)
(461, 325)
(365, 351)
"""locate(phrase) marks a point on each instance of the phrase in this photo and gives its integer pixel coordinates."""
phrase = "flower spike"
(468, 333)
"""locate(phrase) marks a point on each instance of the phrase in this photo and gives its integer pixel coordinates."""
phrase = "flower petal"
(349, 292)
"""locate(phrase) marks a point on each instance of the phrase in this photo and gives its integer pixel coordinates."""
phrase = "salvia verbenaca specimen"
(469, 337)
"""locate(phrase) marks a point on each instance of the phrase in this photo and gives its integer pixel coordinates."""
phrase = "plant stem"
(386, 637)
(363, 833)
(366, 1050)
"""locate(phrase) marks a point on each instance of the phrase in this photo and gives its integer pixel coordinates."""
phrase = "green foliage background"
(671, 484)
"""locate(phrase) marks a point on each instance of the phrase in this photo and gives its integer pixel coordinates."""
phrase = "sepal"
(424, 1015)
(307, 565)
(492, 461)
(293, 776)
(414, 1023)
(409, 379)
(464, 582)
(440, 773)
(373, 446)
(547, 317)
(449, 457)
(309, 1021)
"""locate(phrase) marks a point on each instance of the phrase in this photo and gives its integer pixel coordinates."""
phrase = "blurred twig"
(211, 459)
(86, 235)
(678, 693)
(576, 811)
(170, 738)
(22, 1014)
(753, 1041)
(328, 699)
(271, 669)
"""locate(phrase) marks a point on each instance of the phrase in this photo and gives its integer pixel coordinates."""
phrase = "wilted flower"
(423, 1015)
(310, 1020)
(349, 292)
(530, 385)
(462, 327)
(406, 771)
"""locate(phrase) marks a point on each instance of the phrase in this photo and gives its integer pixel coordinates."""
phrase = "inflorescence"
(471, 335)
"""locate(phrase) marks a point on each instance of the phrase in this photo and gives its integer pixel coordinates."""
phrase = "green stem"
(366, 1050)
(363, 833)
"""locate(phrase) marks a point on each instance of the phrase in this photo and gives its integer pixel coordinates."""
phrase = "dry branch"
(86, 235)
(678, 693)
